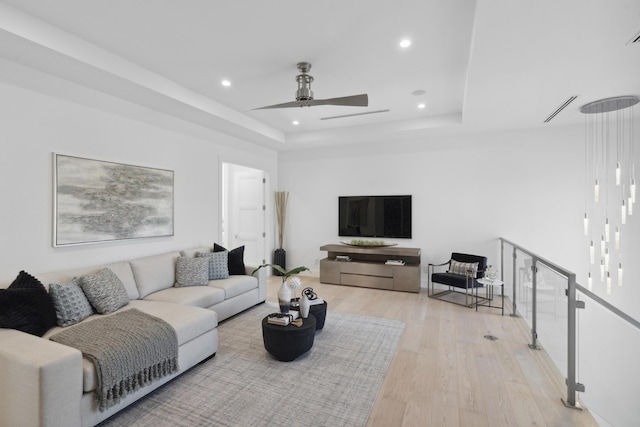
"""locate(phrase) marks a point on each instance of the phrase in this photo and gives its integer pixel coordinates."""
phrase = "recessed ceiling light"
(405, 43)
(296, 123)
(226, 83)
(422, 105)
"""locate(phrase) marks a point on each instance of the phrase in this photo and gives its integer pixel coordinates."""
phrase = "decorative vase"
(284, 297)
(304, 306)
(280, 259)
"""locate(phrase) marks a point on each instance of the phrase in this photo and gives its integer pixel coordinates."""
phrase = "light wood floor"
(445, 373)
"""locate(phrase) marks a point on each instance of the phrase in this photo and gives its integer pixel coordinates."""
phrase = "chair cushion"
(456, 280)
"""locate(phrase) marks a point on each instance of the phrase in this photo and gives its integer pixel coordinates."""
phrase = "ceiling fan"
(304, 94)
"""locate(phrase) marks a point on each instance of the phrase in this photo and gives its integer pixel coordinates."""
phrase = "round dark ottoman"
(286, 343)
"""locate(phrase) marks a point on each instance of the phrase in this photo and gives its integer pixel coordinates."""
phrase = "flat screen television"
(375, 216)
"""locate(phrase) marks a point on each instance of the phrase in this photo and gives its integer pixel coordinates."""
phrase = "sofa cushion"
(218, 264)
(188, 322)
(154, 273)
(26, 306)
(70, 302)
(121, 269)
(192, 272)
(236, 259)
(104, 290)
(235, 285)
(191, 253)
(198, 296)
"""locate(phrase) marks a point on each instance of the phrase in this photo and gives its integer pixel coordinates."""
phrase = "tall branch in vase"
(281, 199)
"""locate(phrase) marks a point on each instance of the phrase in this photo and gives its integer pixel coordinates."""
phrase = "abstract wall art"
(99, 201)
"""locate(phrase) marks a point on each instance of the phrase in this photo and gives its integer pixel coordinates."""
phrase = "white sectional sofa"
(44, 383)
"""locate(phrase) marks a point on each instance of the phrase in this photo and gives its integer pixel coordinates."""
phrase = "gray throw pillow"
(218, 264)
(71, 304)
(105, 291)
(192, 272)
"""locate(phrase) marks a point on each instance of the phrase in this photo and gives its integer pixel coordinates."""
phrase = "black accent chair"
(458, 278)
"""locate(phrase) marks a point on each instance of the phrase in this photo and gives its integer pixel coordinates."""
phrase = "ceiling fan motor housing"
(304, 92)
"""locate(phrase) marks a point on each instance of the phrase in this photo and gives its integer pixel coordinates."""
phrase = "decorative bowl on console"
(369, 243)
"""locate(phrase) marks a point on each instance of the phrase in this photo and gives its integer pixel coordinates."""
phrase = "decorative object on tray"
(304, 306)
(283, 299)
(283, 318)
(294, 283)
(491, 273)
(369, 243)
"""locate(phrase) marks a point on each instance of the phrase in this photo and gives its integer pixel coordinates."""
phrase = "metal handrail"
(572, 305)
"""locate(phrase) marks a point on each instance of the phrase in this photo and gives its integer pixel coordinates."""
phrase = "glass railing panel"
(608, 357)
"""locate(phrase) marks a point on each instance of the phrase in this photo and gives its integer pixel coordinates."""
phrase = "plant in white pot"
(284, 293)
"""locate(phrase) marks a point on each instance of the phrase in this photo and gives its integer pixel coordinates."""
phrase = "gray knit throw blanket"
(129, 349)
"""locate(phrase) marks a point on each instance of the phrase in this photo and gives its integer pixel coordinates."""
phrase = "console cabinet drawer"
(367, 281)
(368, 269)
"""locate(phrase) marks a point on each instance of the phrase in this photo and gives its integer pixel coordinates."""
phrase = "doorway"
(244, 211)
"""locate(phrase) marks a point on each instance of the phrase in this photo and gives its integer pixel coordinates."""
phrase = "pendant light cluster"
(610, 184)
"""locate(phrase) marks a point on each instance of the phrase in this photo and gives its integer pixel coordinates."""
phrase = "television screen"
(375, 216)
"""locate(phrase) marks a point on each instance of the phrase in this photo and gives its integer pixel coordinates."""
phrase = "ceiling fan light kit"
(304, 94)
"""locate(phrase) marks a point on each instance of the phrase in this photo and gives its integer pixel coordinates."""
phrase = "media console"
(368, 267)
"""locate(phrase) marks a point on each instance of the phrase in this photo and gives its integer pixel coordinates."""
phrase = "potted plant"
(280, 255)
(284, 293)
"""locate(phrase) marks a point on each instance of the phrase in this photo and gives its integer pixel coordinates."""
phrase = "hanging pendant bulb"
(586, 225)
(618, 173)
(590, 282)
(608, 284)
(603, 245)
(607, 230)
(592, 253)
(617, 237)
(606, 260)
(602, 270)
(632, 188)
(620, 274)
(630, 206)
(596, 191)
(623, 212)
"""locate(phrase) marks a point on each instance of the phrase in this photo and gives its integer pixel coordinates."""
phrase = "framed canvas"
(97, 201)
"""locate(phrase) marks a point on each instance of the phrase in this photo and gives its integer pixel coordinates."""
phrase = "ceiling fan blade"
(350, 101)
(285, 105)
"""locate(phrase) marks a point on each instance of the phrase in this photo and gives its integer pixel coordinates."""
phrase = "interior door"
(246, 213)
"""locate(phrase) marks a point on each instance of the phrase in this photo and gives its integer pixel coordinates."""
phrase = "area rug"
(333, 384)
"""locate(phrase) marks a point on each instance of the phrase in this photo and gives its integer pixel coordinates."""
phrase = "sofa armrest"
(261, 275)
(40, 381)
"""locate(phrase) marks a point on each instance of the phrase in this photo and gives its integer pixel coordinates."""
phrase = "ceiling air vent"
(352, 115)
(560, 108)
(635, 39)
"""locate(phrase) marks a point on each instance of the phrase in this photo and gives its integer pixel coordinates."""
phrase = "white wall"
(35, 124)
(467, 191)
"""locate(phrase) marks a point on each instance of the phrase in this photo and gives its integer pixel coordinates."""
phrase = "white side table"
(489, 285)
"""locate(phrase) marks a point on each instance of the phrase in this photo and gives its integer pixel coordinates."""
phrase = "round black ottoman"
(286, 343)
(319, 311)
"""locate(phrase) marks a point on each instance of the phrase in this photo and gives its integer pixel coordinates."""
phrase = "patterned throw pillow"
(236, 259)
(105, 291)
(192, 272)
(218, 264)
(26, 306)
(461, 268)
(72, 305)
